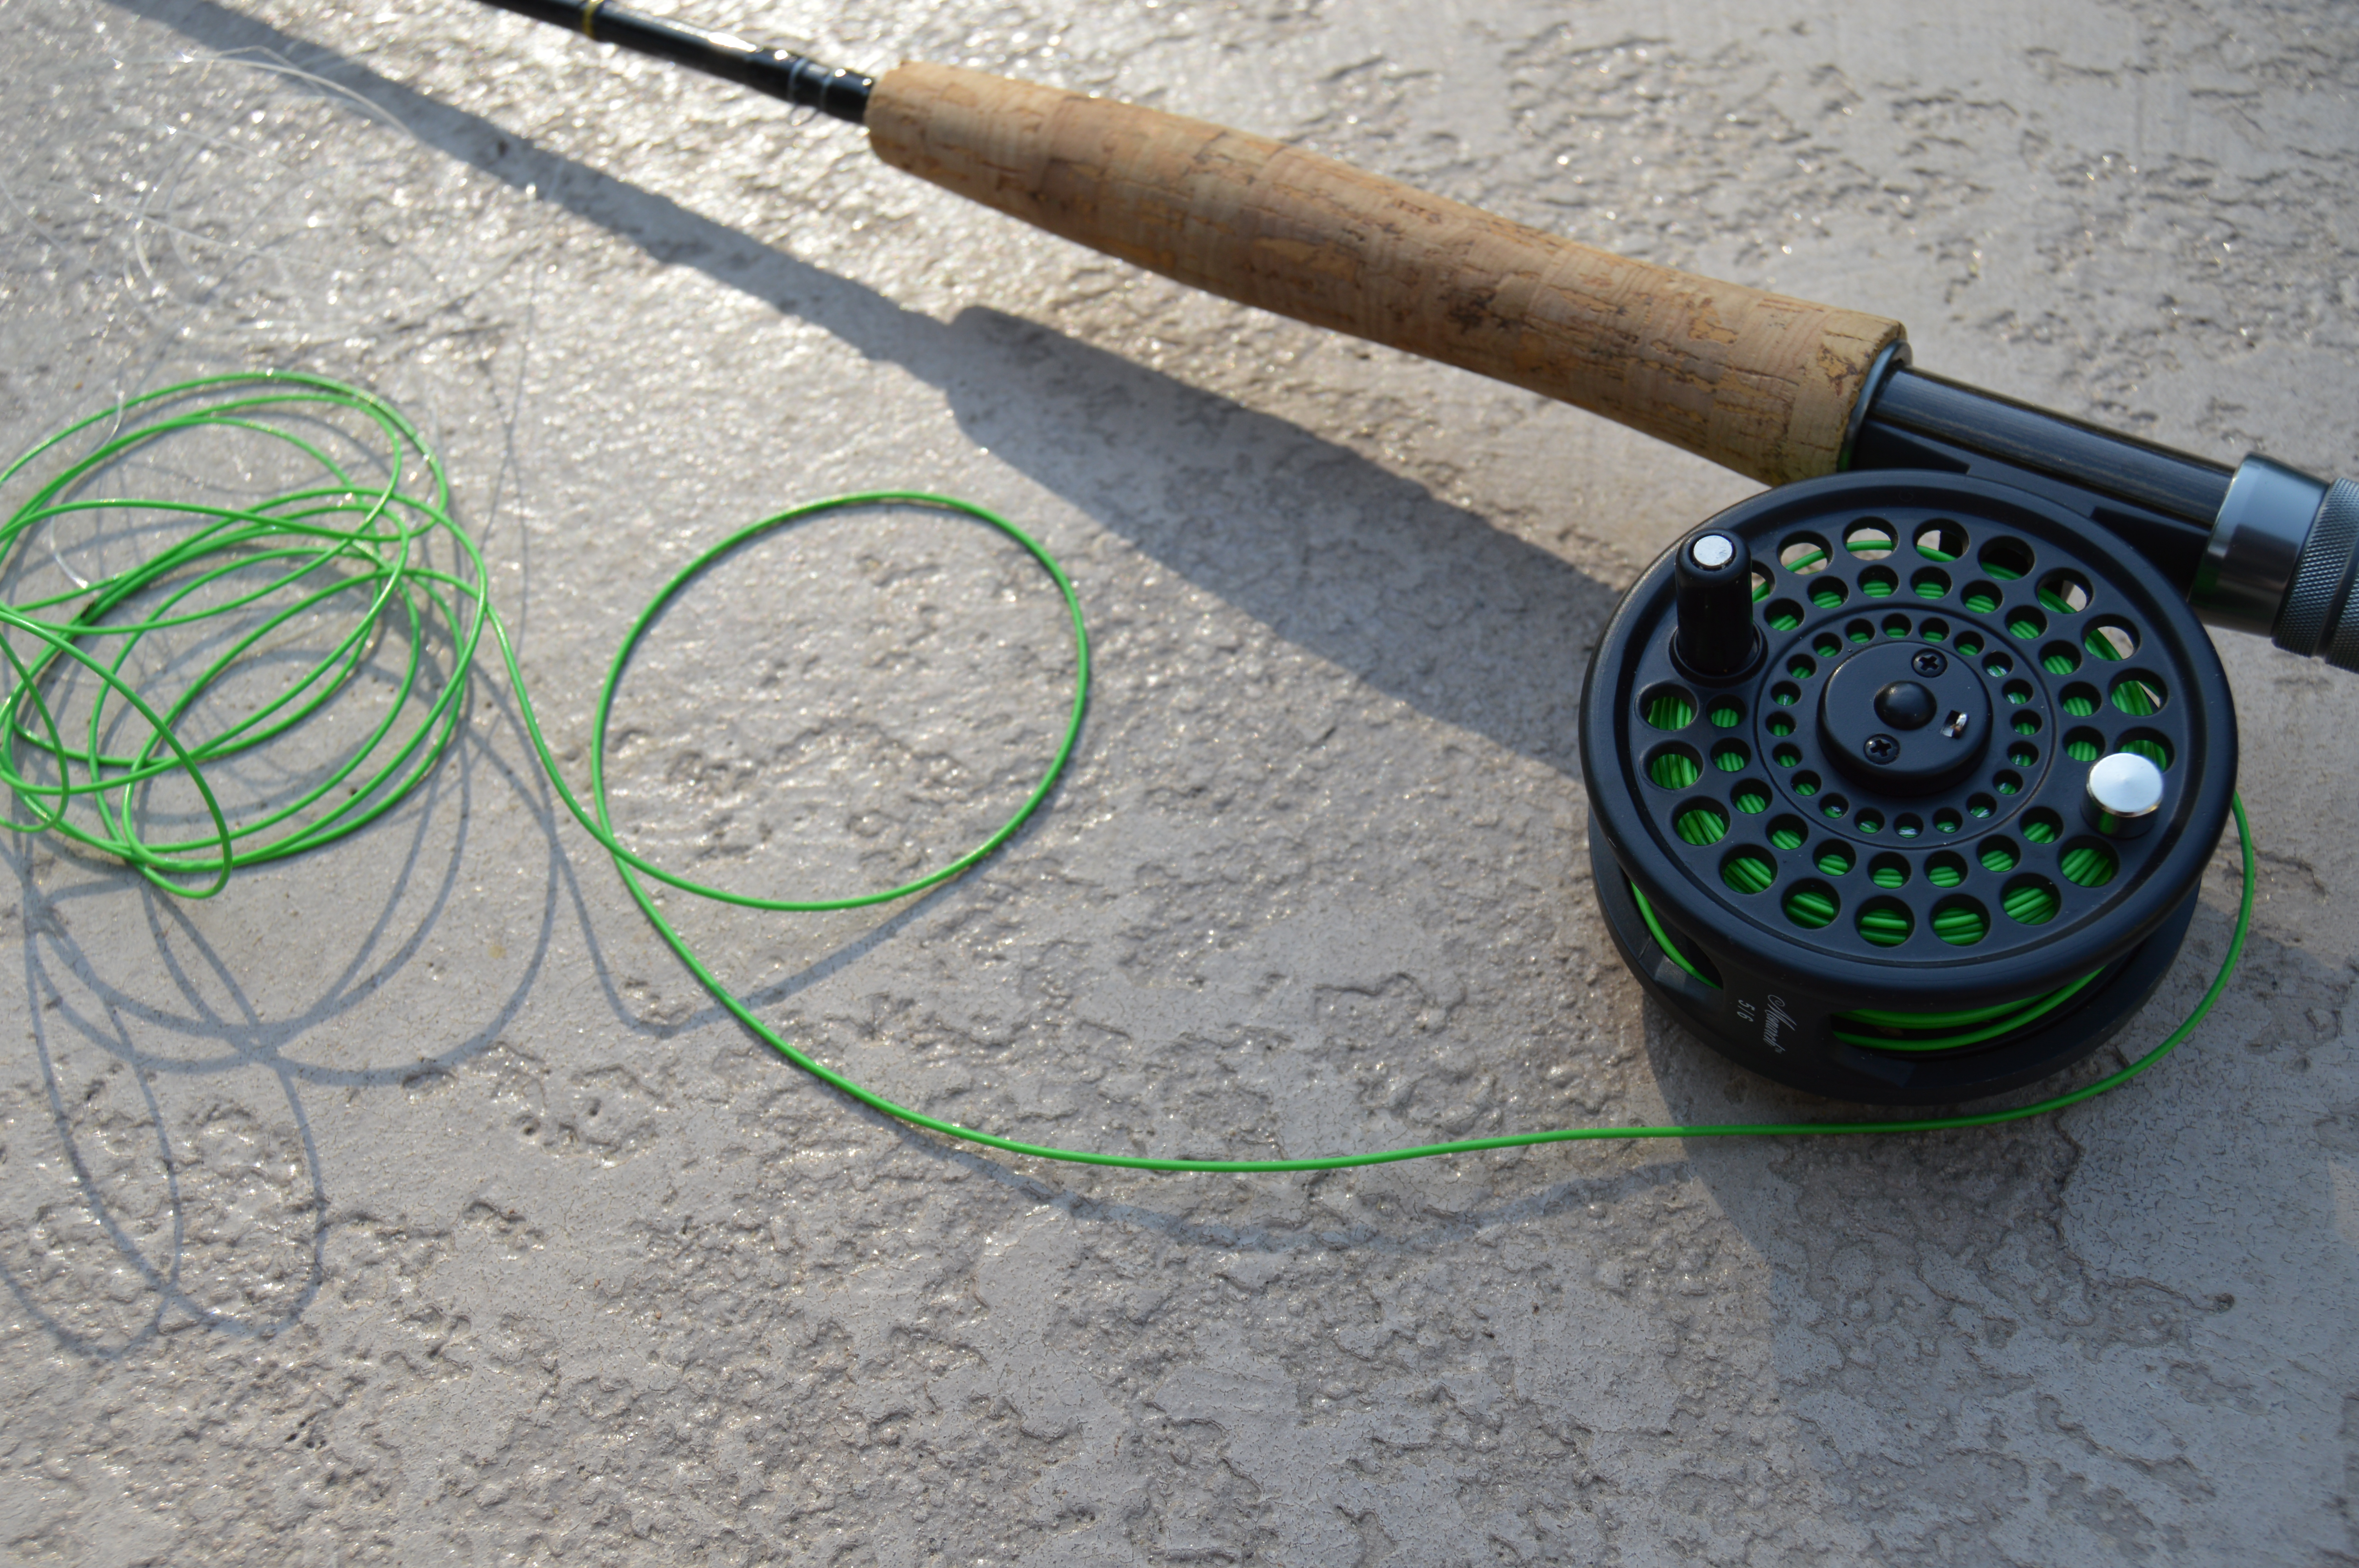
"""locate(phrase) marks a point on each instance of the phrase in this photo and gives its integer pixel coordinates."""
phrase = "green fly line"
(357, 548)
(353, 549)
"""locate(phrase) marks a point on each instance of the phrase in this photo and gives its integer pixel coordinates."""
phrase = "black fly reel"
(1903, 784)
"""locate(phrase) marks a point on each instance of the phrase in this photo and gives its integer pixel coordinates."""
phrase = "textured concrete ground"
(408, 1203)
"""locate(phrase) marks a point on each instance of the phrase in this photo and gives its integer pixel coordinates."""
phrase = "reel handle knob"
(1716, 638)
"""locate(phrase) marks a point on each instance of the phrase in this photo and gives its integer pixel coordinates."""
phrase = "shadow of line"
(250, 1039)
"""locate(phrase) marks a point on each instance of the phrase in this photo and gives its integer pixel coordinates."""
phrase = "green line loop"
(713, 556)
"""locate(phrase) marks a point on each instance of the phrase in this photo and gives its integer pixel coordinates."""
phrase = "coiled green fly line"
(369, 542)
(339, 560)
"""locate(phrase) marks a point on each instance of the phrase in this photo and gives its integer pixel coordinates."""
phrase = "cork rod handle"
(1757, 382)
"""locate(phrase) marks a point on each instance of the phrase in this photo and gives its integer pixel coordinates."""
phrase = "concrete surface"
(408, 1203)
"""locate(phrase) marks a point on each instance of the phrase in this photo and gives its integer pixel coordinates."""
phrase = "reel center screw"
(1877, 719)
(1904, 705)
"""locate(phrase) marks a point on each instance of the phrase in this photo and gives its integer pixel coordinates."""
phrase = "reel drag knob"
(1716, 638)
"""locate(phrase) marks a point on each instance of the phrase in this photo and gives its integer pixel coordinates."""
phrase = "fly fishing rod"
(1903, 772)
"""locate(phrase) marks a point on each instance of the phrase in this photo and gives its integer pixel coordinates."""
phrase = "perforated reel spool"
(1906, 914)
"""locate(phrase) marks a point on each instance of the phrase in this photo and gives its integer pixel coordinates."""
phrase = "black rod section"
(2105, 461)
(2261, 548)
(782, 73)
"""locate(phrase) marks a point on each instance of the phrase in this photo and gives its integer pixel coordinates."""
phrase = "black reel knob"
(1716, 638)
(1940, 831)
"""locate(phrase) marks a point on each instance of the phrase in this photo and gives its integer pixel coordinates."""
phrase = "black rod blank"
(782, 73)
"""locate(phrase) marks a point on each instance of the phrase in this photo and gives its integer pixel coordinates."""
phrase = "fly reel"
(1903, 784)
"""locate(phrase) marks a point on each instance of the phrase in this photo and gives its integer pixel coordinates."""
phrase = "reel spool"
(1903, 784)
